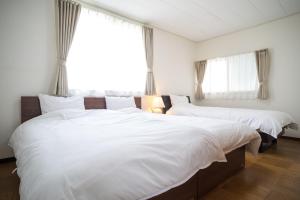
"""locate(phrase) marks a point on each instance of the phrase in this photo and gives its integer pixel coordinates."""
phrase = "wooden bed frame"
(195, 188)
(266, 140)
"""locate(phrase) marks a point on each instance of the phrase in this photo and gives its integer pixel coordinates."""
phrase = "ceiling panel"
(196, 16)
(216, 8)
(269, 9)
(290, 6)
(199, 20)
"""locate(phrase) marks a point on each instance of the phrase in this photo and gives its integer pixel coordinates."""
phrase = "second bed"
(270, 124)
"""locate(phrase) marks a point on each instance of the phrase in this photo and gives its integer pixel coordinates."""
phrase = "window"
(107, 56)
(231, 77)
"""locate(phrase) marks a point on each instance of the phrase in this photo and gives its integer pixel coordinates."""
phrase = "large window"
(107, 56)
(231, 77)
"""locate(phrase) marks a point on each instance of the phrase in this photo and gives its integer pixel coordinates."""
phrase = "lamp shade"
(157, 102)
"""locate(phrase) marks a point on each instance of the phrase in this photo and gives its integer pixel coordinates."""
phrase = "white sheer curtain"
(232, 77)
(107, 56)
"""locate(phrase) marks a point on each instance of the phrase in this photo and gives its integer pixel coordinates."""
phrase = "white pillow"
(53, 103)
(116, 103)
(178, 100)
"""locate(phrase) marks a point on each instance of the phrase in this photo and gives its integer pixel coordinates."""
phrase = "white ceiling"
(199, 20)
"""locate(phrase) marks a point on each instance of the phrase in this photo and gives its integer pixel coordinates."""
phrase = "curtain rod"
(232, 54)
(111, 13)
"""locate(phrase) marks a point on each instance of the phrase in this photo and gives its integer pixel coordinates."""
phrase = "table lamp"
(157, 104)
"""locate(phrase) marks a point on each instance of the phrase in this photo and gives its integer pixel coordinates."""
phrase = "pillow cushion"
(52, 103)
(178, 100)
(116, 103)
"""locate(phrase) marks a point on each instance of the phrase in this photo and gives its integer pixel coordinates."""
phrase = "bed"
(50, 168)
(269, 124)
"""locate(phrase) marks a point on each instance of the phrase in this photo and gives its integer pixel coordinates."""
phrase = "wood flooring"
(273, 175)
(9, 183)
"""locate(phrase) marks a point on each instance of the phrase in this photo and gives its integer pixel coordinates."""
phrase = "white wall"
(27, 58)
(282, 37)
(173, 63)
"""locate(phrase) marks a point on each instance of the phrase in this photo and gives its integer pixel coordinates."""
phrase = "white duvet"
(106, 154)
(230, 135)
(267, 121)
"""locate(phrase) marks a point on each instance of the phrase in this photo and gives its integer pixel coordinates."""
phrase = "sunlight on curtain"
(107, 56)
(232, 77)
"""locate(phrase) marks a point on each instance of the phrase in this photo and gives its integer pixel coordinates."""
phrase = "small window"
(231, 77)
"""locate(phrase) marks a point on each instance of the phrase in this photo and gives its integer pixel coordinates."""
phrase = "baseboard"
(4, 160)
(290, 138)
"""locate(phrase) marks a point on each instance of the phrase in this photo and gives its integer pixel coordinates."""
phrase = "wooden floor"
(9, 183)
(273, 175)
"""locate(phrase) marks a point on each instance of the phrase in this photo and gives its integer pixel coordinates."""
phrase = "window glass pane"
(215, 79)
(106, 54)
(242, 75)
(231, 77)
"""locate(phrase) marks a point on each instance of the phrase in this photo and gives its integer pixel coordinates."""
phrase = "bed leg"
(266, 141)
(264, 146)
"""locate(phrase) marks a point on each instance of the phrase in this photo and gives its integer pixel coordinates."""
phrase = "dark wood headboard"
(30, 105)
(167, 101)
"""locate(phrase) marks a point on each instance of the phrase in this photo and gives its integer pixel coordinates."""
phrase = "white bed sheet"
(267, 121)
(114, 154)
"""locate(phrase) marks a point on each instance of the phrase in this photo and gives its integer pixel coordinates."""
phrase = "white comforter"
(230, 135)
(267, 121)
(109, 155)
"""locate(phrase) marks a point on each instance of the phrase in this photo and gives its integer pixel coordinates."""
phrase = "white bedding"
(229, 134)
(106, 154)
(267, 121)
